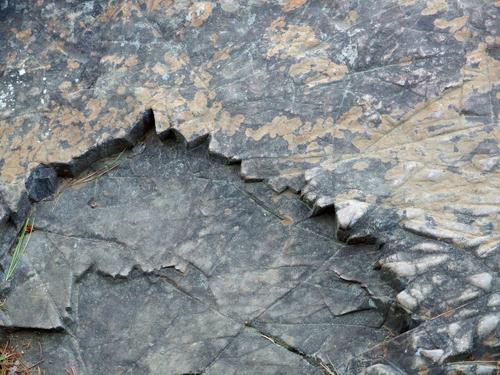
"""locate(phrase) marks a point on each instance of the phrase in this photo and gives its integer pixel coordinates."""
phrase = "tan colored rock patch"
(290, 40)
(434, 6)
(325, 69)
(199, 12)
(456, 26)
(289, 5)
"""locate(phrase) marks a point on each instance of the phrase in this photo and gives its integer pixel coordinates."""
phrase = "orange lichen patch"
(443, 114)
(22, 35)
(363, 134)
(437, 117)
(422, 179)
(228, 124)
(117, 120)
(199, 12)
(222, 54)
(94, 108)
(61, 134)
(293, 130)
(65, 86)
(214, 38)
(327, 70)
(360, 165)
(290, 41)
(201, 78)
(112, 59)
(123, 9)
(198, 118)
(161, 100)
(278, 23)
(355, 194)
(480, 65)
(160, 69)
(352, 16)
(456, 26)
(289, 5)
(175, 62)
(122, 63)
(434, 6)
(41, 142)
(153, 5)
(279, 126)
(287, 220)
(131, 61)
(199, 103)
(72, 64)
(192, 118)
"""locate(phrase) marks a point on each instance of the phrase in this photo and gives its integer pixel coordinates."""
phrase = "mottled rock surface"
(385, 112)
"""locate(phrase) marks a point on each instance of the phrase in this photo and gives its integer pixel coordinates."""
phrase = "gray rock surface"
(383, 113)
(170, 263)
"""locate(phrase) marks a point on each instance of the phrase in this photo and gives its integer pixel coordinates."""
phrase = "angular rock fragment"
(41, 183)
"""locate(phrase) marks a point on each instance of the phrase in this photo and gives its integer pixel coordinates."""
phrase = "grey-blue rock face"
(162, 260)
(171, 264)
(382, 116)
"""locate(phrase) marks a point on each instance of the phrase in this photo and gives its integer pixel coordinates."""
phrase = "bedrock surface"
(170, 263)
(384, 111)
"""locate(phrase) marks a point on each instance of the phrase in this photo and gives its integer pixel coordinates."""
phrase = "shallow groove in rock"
(325, 368)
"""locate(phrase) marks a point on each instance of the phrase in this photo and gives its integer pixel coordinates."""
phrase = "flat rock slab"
(170, 264)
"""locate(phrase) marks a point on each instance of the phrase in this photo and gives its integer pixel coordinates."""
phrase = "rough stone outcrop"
(384, 112)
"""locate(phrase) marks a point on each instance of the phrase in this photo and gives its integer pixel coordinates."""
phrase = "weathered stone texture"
(386, 111)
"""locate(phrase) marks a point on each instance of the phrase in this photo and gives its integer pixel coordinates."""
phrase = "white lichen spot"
(350, 53)
(494, 300)
(463, 343)
(428, 247)
(406, 300)
(349, 212)
(438, 279)
(487, 324)
(434, 355)
(402, 269)
(453, 329)
(481, 280)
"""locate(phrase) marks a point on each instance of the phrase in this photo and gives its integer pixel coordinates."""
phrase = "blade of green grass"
(21, 244)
